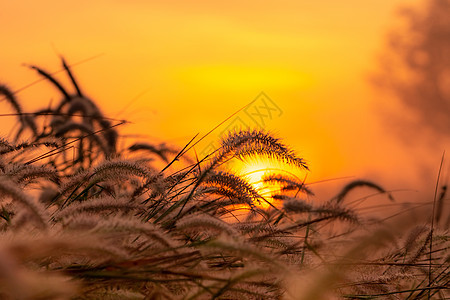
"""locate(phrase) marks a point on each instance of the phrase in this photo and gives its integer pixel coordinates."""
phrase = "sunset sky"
(178, 68)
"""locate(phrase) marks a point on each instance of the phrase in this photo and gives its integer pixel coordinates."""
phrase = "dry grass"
(108, 224)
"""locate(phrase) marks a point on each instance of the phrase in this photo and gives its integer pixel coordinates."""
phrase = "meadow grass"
(83, 219)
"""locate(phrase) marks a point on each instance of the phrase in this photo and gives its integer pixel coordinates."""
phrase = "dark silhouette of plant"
(108, 224)
(416, 68)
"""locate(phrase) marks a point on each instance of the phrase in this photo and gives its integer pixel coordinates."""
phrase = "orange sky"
(197, 62)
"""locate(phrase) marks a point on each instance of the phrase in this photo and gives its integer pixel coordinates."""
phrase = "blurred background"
(357, 88)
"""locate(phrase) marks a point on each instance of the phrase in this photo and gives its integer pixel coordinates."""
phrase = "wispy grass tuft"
(82, 216)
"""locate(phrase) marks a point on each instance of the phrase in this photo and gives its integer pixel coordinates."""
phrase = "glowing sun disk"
(255, 171)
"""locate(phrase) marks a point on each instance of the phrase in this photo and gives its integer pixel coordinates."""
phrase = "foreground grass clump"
(83, 219)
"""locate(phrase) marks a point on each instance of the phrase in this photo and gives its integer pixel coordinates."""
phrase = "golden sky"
(178, 68)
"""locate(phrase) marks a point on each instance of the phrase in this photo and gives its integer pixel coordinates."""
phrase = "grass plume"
(83, 218)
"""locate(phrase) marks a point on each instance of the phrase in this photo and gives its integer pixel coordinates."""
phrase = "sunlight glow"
(254, 172)
(244, 77)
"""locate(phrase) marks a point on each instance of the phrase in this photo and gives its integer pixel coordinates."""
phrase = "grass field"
(84, 218)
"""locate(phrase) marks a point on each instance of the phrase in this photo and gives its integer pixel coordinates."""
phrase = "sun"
(254, 172)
